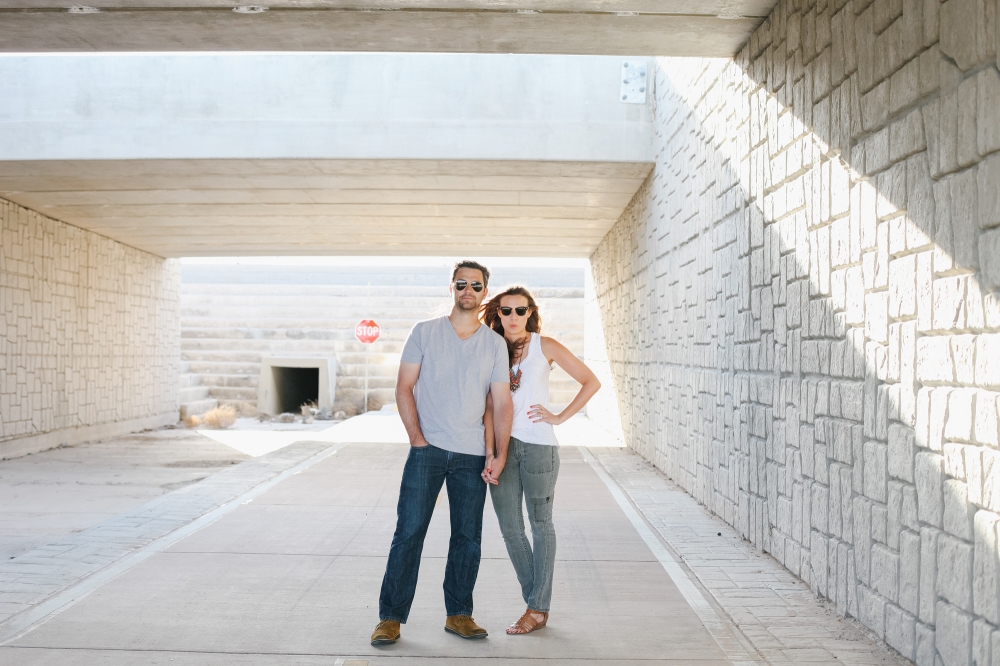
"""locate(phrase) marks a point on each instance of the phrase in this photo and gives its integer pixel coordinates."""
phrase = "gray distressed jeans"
(530, 473)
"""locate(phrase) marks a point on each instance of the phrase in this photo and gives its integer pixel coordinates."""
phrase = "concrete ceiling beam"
(482, 210)
(310, 197)
(223, 154)
(587, 27)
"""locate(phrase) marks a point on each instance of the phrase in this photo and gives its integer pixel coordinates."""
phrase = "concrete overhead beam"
(176, 208)
(214, 154)
(319, 106)
(639, 27)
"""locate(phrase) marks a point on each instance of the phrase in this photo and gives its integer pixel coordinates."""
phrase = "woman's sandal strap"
(527, 623)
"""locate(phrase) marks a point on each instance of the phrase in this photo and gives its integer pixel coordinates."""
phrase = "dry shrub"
(247, 408)
(349, 408)
(307, 407)
(192, 421)
(222, 416)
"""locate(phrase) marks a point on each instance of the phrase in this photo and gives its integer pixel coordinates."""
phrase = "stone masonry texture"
(89, 328)
(801, 314)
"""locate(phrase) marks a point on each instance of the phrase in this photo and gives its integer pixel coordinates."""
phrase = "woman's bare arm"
(575, 368)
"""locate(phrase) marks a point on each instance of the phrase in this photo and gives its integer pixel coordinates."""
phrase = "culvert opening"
(295, 386)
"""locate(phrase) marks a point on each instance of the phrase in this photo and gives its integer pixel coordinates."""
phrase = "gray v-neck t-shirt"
(455, 378)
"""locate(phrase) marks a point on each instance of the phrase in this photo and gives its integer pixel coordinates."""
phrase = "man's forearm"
(407, 407)
(488, 430)
(502, 416)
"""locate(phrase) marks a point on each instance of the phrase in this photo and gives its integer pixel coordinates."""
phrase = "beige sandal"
(527, 623)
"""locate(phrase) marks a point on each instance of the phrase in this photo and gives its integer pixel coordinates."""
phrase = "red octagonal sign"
(367, 331)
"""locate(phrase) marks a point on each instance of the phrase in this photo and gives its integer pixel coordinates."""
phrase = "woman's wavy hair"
(490, 315)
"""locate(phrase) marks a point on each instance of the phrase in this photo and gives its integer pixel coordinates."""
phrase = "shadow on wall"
(798, 308)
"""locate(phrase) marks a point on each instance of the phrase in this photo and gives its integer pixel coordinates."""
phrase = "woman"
(530, 465)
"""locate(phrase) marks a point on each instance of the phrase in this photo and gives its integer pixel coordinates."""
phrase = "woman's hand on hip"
(539, 414)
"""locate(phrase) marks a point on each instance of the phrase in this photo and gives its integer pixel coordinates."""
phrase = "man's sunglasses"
(521, 311)
(462, 285)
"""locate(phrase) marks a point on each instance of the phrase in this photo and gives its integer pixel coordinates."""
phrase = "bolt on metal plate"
(634, 77)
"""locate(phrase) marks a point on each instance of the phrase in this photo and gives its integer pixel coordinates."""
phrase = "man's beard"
(466, 305)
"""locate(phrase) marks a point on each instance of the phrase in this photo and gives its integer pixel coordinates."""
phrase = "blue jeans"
(427, 469)
(530, 477)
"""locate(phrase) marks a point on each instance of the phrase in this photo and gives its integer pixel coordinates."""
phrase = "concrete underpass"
(785, 219)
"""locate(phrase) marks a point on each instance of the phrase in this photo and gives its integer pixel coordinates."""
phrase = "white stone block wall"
(801, 312)
(89, 333)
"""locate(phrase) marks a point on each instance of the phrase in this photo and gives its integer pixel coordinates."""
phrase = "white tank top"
(534, 390)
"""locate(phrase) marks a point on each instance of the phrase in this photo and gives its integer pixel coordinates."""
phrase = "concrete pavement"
(279, 560)
(47, 496)
(294, 575)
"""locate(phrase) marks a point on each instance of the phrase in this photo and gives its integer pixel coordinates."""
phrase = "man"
(448, 366)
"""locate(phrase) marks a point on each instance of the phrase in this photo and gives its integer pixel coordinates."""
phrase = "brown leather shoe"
(464, 626)
(386, 633)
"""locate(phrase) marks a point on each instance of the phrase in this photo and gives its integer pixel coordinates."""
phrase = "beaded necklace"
(515, 378)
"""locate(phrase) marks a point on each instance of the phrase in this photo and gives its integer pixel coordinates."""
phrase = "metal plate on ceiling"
(634, 77)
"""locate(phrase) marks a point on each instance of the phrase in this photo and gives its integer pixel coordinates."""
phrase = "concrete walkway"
(289, 571)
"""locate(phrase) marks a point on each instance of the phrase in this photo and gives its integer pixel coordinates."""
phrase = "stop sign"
(367, 331)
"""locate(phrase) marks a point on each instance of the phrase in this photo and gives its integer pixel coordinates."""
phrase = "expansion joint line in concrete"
(724, 633)
(24, 623)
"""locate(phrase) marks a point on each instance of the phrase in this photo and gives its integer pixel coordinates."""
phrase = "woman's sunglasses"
(462, 285)
(521, 311)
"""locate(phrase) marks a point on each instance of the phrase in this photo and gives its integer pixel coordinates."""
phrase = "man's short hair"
(469, 263)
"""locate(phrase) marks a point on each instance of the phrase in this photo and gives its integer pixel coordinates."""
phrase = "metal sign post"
(367, 332)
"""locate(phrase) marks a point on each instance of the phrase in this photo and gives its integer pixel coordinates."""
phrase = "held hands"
(494, 466)
(539, 414)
